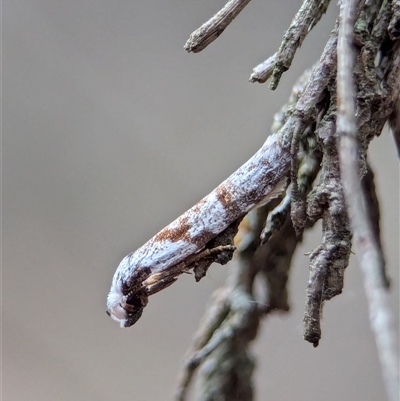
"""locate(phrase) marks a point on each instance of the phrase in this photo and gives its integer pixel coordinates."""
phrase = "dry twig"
(367, 248)
(211, 29)
(304, 21)
(306, 18)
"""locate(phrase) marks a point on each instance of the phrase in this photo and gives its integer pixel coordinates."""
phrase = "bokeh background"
(110, 131)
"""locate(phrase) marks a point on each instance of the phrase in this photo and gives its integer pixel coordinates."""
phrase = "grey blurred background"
(110, 131)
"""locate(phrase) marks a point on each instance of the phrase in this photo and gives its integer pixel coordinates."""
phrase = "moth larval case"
(261, 178)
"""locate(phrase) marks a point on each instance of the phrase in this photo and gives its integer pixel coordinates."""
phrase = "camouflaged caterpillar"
(171, 252)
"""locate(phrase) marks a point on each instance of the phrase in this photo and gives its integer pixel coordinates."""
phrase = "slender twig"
(211, 29)
(304, 21)
(231, 321)
(262, 72)
(365, 244)
(306, 18)
(374, 215)
(326, 202)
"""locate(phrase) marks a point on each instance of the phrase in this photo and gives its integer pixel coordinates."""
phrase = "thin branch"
(365, 244)
(374, 215)
(262, 72)
(304, 21)
(211, 29)
(306, 18)
(326, 202)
